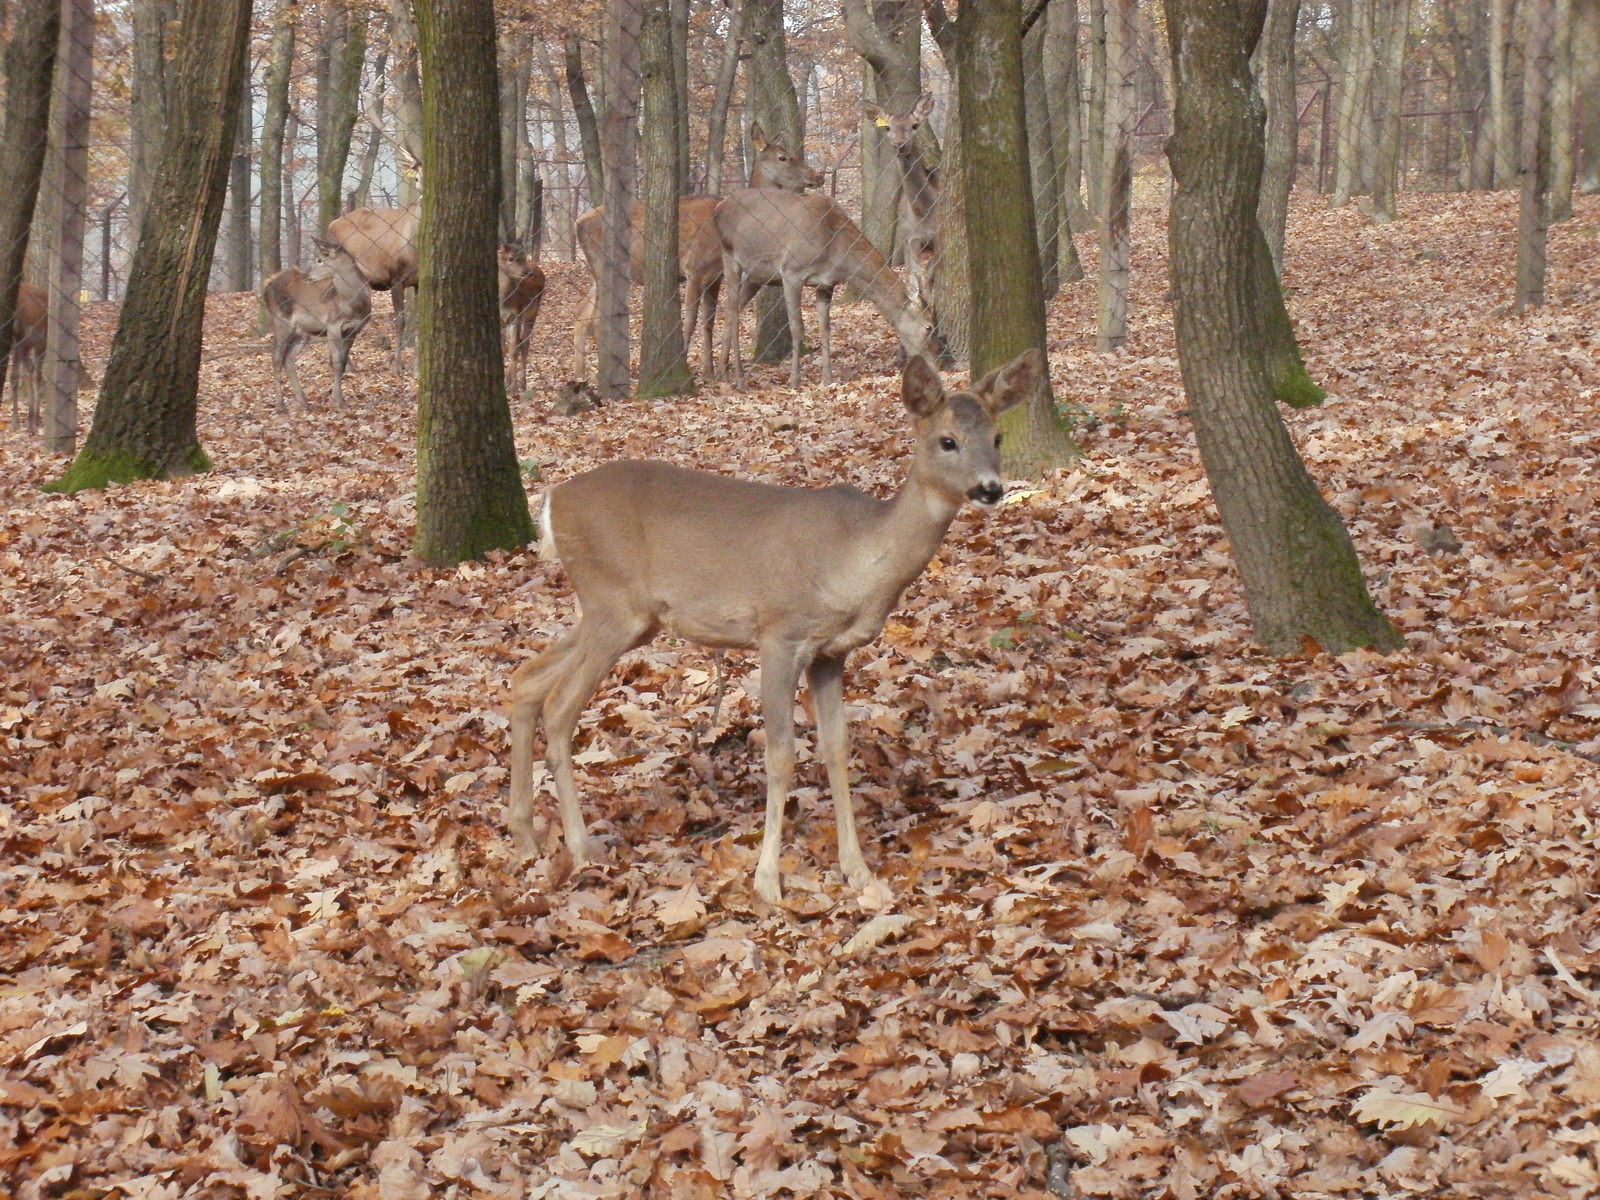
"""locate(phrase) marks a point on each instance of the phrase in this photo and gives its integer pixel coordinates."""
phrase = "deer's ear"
(757, 138)
(920, 387)
(923, 108)
(1007, 386)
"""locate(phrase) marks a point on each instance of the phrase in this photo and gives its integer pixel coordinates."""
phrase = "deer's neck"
(914, 525)
(916, 180)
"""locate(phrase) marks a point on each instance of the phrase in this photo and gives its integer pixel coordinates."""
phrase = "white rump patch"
(547, 533)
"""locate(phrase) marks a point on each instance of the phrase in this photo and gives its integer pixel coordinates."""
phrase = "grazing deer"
(801, 575)
(919, 191)
(699, 250)
(32, 326)
(800, 242)
(383, 242)
(521, 290)
(331, 300)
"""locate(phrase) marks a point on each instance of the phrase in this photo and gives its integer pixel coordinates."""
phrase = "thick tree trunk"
(274, 121)
(1116, 174)
(680, 87)
(1007, 288)
(1042, 158)
(469, 490)
(513, 124)
(147, 105)
(1563, 113)
(887, 34)
(721, 98)
(30, 65)
(1300, 572)
(144, 424)
(346, 48)
(1396, 26)
(1095, 134)
(239, 276)
(663, 365)
(63, 367)
(291, 202)
(1533, 214)
(407, 95)
(619, 134)
(771, 100)
(1352, 141)
(1502, 117)
(1275, 69)
(588, 125)
(952, 281)
(1586, 74)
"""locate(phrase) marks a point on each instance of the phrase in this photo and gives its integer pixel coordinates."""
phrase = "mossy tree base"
(94, 470)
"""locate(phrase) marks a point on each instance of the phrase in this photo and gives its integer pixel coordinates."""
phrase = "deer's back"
(717, 560)
(312, 304)
(32, 323)
(775, 233)
(697, 240)
(383, 241)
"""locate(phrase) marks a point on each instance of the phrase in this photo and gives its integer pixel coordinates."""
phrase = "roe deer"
(699, 250)
(521, 291)
(332, 300)
(32, 325)
(800, 242)
(803, 576)
(383, 242)
(919, 191)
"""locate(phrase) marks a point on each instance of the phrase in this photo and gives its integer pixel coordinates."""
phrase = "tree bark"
(407, 94)
(1063, 83)
(1586, 72)
(30, 58)
(1300, 572)
(722, 98)
(513, 123)
(1533, 213)
(147, 105)
(619, 143)
(1563, 113)
(274, 121)
(144, 424)
(588, 126)
(1351, 145)
(680, 87)
(1007, 285)
(1396, 25)
(1042, 158)
(564, 204)
(346, 48)
(63, 367)
(887, 34)
(1275, 70)
(952, 281)
(1116, 174)
(663, 364)
(372, 106)
(239, 276)
(770, 99)
(1502, 118)
(469, 491)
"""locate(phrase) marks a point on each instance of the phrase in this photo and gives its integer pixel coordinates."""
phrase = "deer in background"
(32, 326)
(383, 243)
(807, 241)
(331, 300)
(801, 575)
(699, 250)
(919, 191)
(521, 291)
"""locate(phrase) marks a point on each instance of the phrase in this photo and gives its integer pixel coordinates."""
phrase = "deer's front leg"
(825, 677)
(780, 675)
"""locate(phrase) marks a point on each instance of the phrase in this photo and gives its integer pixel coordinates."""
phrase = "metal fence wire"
(818, 133)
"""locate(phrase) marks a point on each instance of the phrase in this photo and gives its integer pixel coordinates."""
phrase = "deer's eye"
(997, 438)
(781, 158)
(947, 443)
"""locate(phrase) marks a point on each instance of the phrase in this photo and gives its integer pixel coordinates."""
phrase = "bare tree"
(722, 98)
(1042, 157)
(407, 93)
(583, 111)
(63, 367)
(1502, 116)
(1301, 575)
(147, 106)
(1395, 28)
(887, 34)
(1357, 57)
(469, 490)
(1533, 164)
(1275, 70)
(619, 144)
(144, 423)
(344, 51)
(1563, 114)
(274, 121)
(1062, 84)
(1116, 174)
(772, 103)
(663, 363)
(1586, 81)
(239, 278)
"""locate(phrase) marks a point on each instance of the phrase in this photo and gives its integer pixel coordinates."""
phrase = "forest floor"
(1161, 916)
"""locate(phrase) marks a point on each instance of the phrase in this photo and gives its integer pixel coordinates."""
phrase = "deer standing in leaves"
(32, 325)
(331, 300)
(521, 291)
(919, 193)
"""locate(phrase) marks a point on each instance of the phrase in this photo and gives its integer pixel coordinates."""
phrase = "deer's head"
(902, 129)
(779, 167)
(958, 444)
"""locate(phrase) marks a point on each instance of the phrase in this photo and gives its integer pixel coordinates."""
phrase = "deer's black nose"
(986, 493)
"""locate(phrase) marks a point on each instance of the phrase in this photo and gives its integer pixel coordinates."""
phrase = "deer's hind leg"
(530, 685)
(602, 638)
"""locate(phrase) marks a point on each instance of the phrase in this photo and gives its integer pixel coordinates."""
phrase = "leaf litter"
(1160, 915)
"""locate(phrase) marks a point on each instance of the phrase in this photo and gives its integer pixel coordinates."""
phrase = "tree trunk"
(952, 281)
(361, 194)
(721, 98)
(887, 34)
(1396, 25)
(513, 113)
(239, 200)
(1007, 287)
(69, 137)
(30, 58)
(588, 126)
(770, 99)
(1116, 173)
(1502, 119)
(1062, 84)
(469, 490)
(291, 202)
(147, 105)
(1563, 111)
(1300, 572)
(565, 202)
(1533, 214)
(144, 424)
(407, 95)
(1350, 173)
(1042, 158)
(1275, 69)
(1094, 164)
(619, 134)
(663, 365)
(273, 124)
(680, 87)
(1586, 69)
(346, 48)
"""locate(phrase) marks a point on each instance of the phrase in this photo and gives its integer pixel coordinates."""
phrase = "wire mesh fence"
(776, 130)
